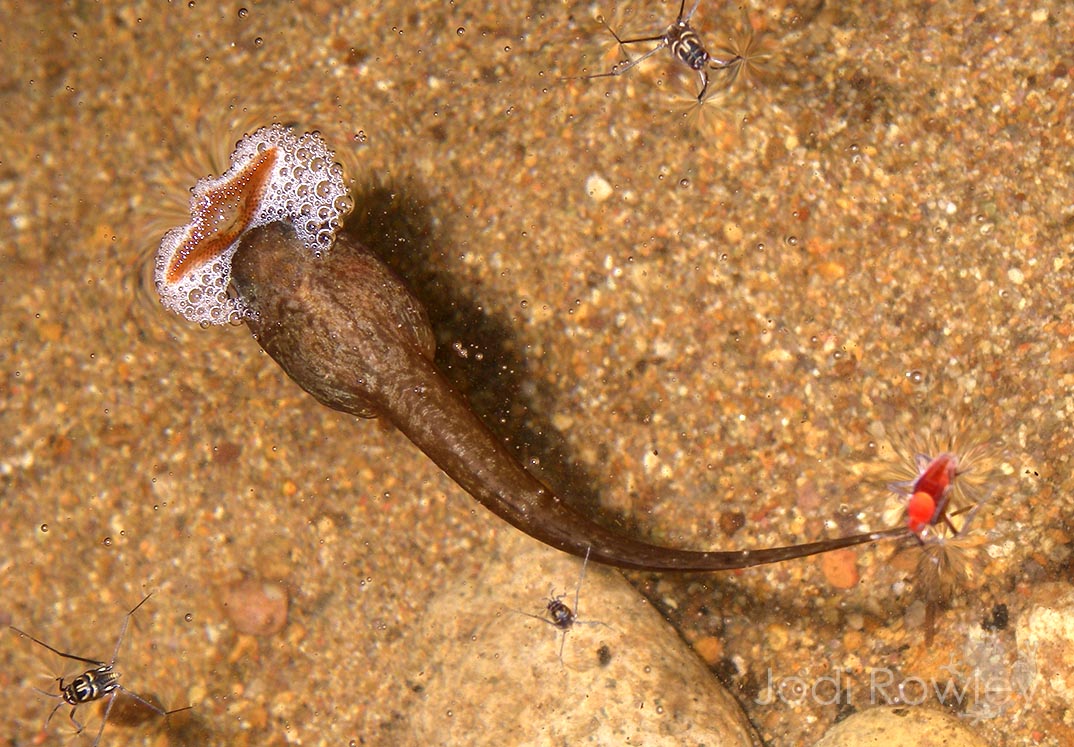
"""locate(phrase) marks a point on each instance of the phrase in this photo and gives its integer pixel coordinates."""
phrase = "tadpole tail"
(482, 465)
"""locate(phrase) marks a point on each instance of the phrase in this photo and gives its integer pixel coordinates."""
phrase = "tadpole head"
(340, 323)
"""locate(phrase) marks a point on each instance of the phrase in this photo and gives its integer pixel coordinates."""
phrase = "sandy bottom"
(713, 330)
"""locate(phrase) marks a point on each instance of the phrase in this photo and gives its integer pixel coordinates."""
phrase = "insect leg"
(621, 67)
(703, 75)
(581, 578)
(78, 725)
(686, 19)
(123, 629)
(104, 718)
(65, 655)
(58, 706)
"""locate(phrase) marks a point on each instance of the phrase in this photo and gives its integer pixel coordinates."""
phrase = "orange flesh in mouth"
(222, 215)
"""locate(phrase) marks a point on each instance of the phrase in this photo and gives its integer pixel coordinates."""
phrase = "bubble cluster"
(274, 175)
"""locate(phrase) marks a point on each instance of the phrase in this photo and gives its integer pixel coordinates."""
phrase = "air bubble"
(107, 542)
(258, 41)
(243, 12)
(44, 527)
(460, 31)
(915, 376)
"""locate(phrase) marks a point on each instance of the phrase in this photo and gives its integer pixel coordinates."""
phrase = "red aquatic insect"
(929, 492)
(957, 481)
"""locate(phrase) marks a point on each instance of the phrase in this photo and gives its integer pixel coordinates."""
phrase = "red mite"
(928, 498)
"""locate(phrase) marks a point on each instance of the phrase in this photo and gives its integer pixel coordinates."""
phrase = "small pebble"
(598, 188)
(710, 649)
(731, 522)
(832, 270)
(853, 640)
(840, 568)
(256, 607)
(50, 332)
(733, 232)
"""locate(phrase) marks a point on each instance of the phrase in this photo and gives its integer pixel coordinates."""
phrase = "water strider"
(562, 617)
(347, 330)
(100, 681)
(685, 46)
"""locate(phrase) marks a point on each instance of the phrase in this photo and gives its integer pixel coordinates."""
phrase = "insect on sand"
(928, 495)
(683, 43)
(563, 617)
(947, 485)
(98, 682)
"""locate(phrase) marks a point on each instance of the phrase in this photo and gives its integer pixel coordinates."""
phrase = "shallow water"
(873, 240)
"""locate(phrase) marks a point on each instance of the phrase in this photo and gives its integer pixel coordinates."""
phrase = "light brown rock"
(1045, 635)
(901, 726)
(489, 674)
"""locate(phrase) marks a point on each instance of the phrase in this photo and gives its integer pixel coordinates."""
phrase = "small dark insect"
(685, 46)
(100, 681)
(997, 620)
(562, 616)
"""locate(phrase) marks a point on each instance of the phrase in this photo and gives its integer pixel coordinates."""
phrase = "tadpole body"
(347, 330)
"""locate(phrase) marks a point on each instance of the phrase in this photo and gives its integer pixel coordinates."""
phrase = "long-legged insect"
(100, 681)
(563, 617)
(929, 492)
(954, 483)
(928, 495)
(684, 44)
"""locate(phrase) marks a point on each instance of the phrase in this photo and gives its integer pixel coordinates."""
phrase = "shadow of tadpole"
(476, 350)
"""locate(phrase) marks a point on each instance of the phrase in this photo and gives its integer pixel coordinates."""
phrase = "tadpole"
(347, 330)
